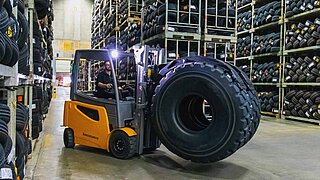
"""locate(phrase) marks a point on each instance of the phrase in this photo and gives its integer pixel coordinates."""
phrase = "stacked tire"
(243, 2)
(9, 35)
(303, 69)
(244, 21)
(294, 7)
(37, 111)
(23, 66)
(23, 144)
(127, 69)
(244, 46)
(266, 72)
(268, 13)
(155, 18)
(5, 141)
(266, 43)
(43, 31)
(302, 103)
(303, 34)
(245, 69)
(269, 101)
(134, 34)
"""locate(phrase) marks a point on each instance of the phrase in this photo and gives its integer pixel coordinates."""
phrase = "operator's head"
(107, 66)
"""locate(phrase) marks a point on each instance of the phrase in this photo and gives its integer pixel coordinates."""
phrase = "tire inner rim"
(195, 113)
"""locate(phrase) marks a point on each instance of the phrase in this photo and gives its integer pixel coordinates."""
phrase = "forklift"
(133, 125)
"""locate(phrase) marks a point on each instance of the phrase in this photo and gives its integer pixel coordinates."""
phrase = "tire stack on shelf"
(37, 111)
(5, 140)
(303, 34)
(155, 19)
(244, 46)
(134, 36)
(259, 49)
(130, 23)
(268, 13)
(302, 69)
(244, 21)
(295, 7)
(302, 103)
(302, 63)
(47, 30)
(269, 101)
(9, 35)
(266, 43)
(23, 144)
(242, 3)
(23, 66)
(266, 72)
(43, 36)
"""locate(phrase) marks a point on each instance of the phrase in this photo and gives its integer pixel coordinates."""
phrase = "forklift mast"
(145, 57)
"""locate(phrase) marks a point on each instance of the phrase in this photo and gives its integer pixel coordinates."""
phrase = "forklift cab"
(85, 70)
(117, 125)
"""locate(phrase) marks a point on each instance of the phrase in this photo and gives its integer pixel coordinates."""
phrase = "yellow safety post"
(54, 95)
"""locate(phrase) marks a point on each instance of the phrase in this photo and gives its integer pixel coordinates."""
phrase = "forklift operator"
(104, 83)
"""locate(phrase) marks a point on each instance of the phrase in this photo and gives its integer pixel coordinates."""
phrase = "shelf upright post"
(31, 77)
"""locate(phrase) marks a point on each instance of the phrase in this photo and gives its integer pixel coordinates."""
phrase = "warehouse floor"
(280, 149)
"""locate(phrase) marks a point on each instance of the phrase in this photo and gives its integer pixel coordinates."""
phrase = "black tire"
(4, 113)
(295, 100)
(35, 132)
(122, 146)
(20, 145)
(290, 94)
(24, 30)
(306, 95)
(314, 95)
(299, 94)
(214, 79)
(8, 52)
(68, 138)
(2, 156)
(7, 146)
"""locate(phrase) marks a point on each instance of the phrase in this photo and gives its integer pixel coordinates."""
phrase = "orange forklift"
(167, 106)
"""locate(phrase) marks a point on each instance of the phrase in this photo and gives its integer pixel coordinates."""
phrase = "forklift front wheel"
(68, 138)
(122, 146)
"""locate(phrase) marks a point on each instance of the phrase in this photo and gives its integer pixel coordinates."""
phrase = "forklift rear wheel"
(68, 138)
(122, 146)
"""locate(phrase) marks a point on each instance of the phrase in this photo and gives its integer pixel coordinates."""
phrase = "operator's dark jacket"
(104, 78)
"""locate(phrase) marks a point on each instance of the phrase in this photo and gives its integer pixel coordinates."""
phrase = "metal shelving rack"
(26, 83)
(218, 39)
(171, 41)
(297, 52)
(249, 60)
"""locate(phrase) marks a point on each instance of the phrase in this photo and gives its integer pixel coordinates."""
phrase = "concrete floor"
(280, 150)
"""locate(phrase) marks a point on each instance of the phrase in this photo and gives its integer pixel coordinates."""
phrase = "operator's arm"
(101, 84)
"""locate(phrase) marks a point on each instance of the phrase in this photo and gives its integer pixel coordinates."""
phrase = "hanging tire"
(68, 138)
(122, 146)
(178, 115)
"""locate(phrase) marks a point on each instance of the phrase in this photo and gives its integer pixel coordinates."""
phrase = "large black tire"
(180, 122)
(68, 138)
(122, 146)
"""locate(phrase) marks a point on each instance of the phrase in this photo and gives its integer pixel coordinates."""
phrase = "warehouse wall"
(72, 26)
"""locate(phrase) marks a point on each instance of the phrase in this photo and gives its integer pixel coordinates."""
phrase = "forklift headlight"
(114, 54)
